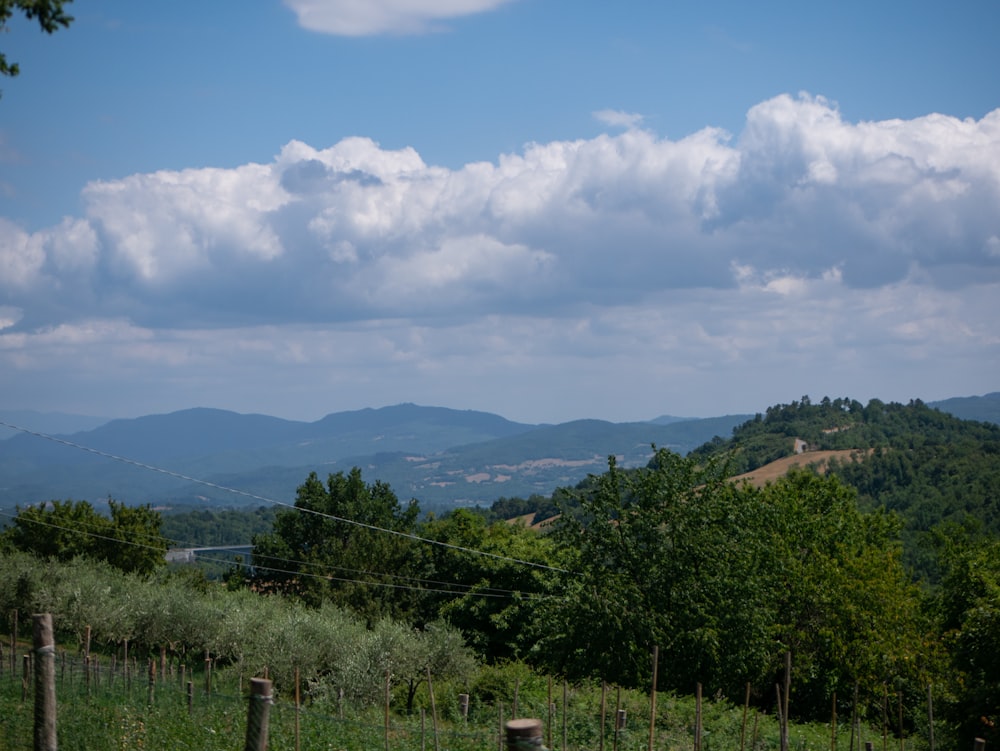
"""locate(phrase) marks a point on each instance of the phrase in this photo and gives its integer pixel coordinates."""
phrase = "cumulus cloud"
(357, 231)
(368, 17)
(875, 243)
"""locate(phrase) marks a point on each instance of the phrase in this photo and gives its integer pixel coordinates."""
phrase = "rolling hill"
(440, 456)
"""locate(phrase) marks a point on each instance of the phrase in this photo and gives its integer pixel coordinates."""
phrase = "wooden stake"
(930, 716)
(854, 716)
(604, 706)
(208, 673)
(652, 698)
(13, 645)
(25, 677)
(779, 708)
(619, 718)
(258, 711)
(743, 725)
(434, 715)
(463, 706)
(524, 734)
(902, 735)
(548, 728)
(152, 682)
(564, 713)
(697, 717)
(45, 682)
(298, 707)
(885, 717)
(386, 728)
(784, 709)
(833, 723)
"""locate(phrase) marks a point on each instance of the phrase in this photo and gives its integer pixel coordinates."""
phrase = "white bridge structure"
(188, 555)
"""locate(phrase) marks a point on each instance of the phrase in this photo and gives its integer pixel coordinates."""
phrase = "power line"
(468, 588)
(236, 491)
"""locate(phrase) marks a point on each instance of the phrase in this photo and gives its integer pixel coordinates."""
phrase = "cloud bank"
(801, 235)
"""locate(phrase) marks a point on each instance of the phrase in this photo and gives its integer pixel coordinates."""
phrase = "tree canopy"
(50, 15)
(346, 542)
(129, 539)
(725, 579)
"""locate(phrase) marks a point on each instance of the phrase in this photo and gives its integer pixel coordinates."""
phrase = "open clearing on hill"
(780, 467)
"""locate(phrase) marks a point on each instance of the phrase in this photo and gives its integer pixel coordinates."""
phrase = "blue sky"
(544, 209)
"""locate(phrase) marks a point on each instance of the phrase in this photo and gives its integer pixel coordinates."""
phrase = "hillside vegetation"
(879, 576)
(929, 467)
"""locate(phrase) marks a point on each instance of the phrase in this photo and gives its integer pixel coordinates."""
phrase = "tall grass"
(116, 714)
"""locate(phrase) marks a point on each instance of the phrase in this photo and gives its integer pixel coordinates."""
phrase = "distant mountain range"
(442, 457)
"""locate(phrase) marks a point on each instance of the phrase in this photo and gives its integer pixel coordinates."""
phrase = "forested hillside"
(927, 466)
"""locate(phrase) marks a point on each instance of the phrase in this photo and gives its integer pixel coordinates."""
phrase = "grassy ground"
(116, 713)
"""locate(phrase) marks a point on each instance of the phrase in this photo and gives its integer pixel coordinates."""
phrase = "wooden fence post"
(551, 710)
(25, 677)
(604, 708)
(385, 733)
(833, 722)
(930, 716)
(208, 673)
(697, 717)
(152, 682)
(45, 682)
(190, 693)
(13, 645)
(258, 711)
(524, 735)
(463, 706)
(434, 714)
(979, 745)
(743, 725)
(298, 709)
(565, 714)
(652, 698)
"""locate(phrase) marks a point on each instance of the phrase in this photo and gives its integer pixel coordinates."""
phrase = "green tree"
(969, 612)
(725, 579)
(129, 539)
(346, 542)
(49, 14)
(844, 604)
(663, 556)
(490, 597)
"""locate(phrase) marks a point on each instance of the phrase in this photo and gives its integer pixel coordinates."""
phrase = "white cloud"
(368, 17)
(853, 247)
(164, 225)
(618, 119)
(355, 231)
